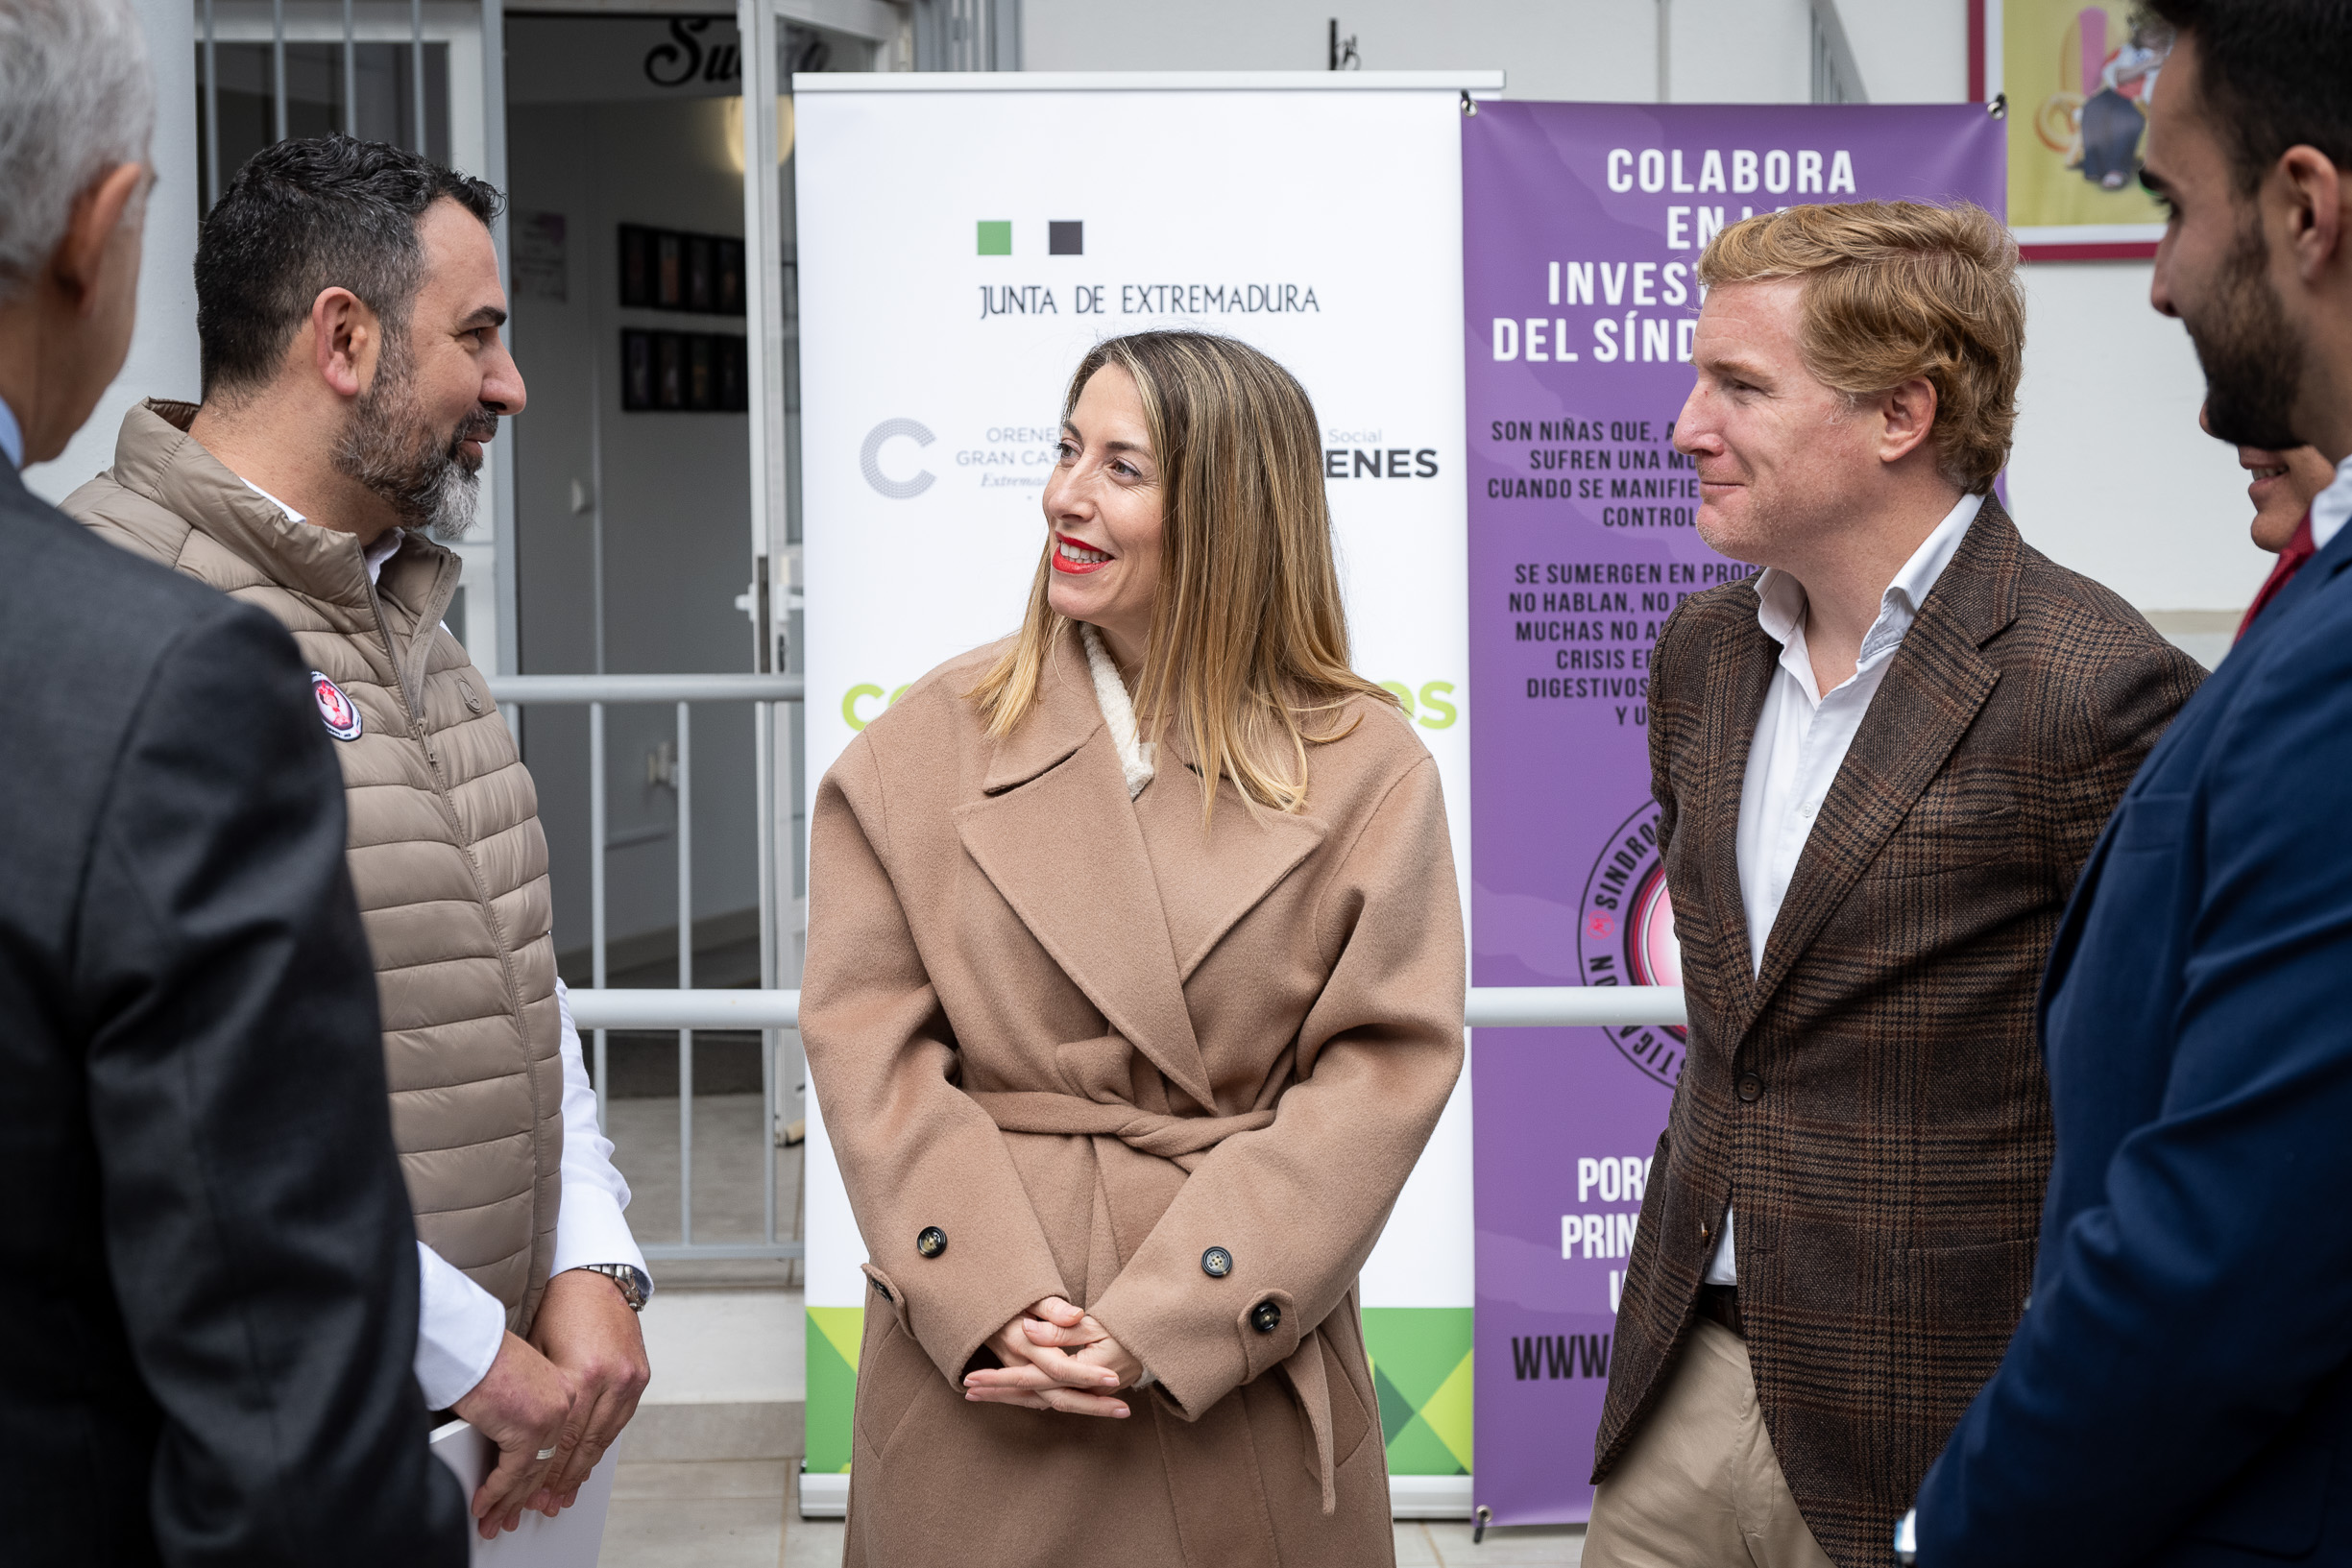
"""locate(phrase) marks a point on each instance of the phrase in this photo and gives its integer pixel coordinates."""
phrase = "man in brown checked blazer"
(1880, 764)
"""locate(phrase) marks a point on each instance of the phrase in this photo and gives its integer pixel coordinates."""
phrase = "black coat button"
(1266, 1317)
(1216, 1263)
(1751, 1088)
(932, 1242)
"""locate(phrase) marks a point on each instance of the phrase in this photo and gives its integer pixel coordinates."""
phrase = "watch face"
(630, 1280)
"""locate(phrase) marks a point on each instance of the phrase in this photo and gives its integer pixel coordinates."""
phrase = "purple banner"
(1581, 223)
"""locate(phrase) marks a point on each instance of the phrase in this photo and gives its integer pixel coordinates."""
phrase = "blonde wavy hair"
(1248, 655)
(1894, 291)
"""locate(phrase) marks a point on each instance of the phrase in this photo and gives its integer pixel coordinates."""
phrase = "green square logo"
(995, 237)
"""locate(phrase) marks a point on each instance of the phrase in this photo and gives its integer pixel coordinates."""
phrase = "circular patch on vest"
(339, 713)
(1625, 936)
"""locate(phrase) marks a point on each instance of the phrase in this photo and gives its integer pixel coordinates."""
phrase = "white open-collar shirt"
(2332, 506)
(1802, 737)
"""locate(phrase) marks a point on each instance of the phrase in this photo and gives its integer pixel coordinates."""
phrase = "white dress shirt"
(1801, 741)
(2331, 506)
(460, 1326)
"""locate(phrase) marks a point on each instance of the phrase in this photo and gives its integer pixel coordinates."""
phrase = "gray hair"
(76, 100)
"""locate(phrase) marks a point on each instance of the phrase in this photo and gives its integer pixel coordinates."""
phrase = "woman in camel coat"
(1125, 1077)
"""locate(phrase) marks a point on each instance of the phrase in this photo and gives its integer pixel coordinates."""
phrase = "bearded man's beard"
(2252, 359)
(426, 478)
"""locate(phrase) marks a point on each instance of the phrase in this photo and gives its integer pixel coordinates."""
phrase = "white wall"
(162, 358)
(1719, 51)
(1908, 51)
(1589, 49)
(1735, 51)
(2111, 474)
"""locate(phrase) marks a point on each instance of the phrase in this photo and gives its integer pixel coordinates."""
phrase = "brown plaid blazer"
(1888, 1168)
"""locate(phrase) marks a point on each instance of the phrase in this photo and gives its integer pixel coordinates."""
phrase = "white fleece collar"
(1117, 712)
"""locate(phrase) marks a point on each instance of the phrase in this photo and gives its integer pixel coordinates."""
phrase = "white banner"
(963, 240)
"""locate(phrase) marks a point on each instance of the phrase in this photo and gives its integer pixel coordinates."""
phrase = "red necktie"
(2297, 551)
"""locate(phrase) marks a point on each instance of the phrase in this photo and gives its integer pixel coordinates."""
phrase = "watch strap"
(632, 1282)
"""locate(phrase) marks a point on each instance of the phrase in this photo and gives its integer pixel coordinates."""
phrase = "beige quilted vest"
(445, 849)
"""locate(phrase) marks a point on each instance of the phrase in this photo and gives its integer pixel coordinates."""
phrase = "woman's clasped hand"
(1054, 1357)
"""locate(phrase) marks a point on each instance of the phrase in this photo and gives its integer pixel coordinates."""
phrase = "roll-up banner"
(1581, 223)
(963, 240)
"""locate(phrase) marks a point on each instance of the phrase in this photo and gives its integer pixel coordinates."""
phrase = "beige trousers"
(1699, 1487)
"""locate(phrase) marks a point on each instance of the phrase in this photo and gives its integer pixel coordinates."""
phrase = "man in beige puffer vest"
(348, 308)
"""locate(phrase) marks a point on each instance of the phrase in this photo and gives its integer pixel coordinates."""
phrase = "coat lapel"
(1055, 832)
(1932, 693)
(1207, 881)
(1740, 669)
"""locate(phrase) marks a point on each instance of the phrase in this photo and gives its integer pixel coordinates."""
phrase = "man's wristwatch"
(634, 1286)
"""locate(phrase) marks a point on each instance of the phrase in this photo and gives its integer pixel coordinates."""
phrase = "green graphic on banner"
(1421, 1369)
(995, 239)
(834, 1334)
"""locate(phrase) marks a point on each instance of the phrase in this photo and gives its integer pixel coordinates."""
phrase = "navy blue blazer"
(2177, 1393)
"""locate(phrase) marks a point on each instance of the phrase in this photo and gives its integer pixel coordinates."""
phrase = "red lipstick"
(1077, 568)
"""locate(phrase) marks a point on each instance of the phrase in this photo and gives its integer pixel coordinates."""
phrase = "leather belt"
(1720, 1304)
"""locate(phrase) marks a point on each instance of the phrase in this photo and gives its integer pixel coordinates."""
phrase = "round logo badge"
(1625, 936)
(340, 714)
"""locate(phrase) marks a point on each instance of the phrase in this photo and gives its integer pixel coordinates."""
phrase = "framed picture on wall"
(636, 267)
(730, 263)
(2075, 79)
(668, 370)
(669, 266)
(690, 373)
(683, 373)
(636, 372)
(734, 384)
(662, 269)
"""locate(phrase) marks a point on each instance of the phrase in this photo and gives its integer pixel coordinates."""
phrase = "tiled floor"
(726, 1514)
(723, 1513)
(727, 1161)
(1428, 1544)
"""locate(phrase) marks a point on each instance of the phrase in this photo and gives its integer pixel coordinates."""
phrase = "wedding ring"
(546, 1454)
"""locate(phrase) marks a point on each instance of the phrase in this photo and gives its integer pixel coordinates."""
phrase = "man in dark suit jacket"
(211, 1290)
(1879, 766)
(2180, 1390)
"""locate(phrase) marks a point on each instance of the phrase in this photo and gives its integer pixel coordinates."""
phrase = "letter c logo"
(849, 703)
(869, 459)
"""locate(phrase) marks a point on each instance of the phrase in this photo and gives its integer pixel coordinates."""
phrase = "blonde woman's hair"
(1248, 655)
(1895, 291)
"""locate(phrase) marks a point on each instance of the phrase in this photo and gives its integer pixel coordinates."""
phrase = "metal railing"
(684, 1009)
(1486, 1007)
(1494, 1007)
(601, 1008)
(315, 24)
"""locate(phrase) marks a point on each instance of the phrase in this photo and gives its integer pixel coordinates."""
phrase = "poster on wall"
(1581, 226)
(963, 240)
(2076, 80)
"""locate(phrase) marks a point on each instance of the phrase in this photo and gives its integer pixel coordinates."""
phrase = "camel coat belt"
(1068, 1045)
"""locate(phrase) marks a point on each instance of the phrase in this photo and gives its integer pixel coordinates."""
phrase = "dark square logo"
(1065, 239)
